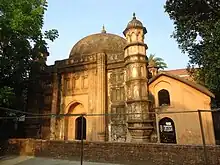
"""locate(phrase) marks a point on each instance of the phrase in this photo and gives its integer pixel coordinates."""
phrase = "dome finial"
(103, 29)
(134, 17)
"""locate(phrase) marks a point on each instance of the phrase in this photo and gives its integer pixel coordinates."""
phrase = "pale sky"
(75, 19)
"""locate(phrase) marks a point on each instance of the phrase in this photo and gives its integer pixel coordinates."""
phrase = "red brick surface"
(127, 153)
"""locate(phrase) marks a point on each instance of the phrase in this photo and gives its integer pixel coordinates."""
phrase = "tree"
(156, 62)
(197, 31)
(21, 42)
(6, 96)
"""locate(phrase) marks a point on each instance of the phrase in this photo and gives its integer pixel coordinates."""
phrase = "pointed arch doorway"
(74, 125)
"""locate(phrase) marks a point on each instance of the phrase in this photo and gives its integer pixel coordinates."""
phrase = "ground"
(30, 160)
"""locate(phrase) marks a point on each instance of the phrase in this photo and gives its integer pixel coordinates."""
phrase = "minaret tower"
(139, 125)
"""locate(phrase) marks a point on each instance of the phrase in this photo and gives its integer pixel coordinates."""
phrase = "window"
(163, 97)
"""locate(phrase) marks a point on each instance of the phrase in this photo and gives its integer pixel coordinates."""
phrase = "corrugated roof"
(177, 72)
(181, 73)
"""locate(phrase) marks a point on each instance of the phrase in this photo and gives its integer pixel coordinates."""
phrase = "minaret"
(139, 125)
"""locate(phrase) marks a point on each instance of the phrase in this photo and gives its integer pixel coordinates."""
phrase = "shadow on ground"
(30, 160)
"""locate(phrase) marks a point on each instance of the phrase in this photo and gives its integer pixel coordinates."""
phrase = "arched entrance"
(80, 128)
(73, 123)
(167, 130)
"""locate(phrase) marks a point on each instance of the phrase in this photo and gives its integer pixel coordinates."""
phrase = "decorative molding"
(112, 78)
(85, 83)
(117, 117)
(78, 60)
(100, 57)
(136, 58)
(77, 68)
(136, 44)
(116, 65)
(117, 94)
(112, 58)
(76, 76)
(117, 76)
(85, 74)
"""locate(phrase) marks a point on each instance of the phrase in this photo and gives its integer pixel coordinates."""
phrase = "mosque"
(109, 74)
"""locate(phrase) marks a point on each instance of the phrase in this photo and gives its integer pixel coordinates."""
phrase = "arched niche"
(159, 85)
(140, 36)
(167, 130)
(133, 37)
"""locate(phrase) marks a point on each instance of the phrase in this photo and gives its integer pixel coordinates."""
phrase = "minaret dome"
(134, 24)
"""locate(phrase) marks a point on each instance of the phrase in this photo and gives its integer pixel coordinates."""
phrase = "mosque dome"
(100, 42)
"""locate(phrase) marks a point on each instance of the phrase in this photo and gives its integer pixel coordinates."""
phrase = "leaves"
(197, 31)
(51, 34)
(21, 42)
(157, 62)
(6, 96)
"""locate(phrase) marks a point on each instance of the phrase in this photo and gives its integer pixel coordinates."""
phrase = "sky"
(75, 19)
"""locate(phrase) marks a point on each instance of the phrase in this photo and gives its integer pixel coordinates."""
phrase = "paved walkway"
(29, 160)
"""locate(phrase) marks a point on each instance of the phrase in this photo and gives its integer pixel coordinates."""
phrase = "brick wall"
(127, 153)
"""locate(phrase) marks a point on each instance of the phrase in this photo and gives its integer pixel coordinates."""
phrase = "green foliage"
(51, 34)
(21, 43)
(197, 31)
(6, 96)
(157, 62)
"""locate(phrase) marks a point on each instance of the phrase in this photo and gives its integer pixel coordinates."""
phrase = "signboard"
(21, 118)
(167, 128)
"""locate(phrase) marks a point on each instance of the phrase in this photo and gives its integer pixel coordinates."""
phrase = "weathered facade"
(105, 74)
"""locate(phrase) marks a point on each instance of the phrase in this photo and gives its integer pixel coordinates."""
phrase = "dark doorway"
(164, 97)
(216, 123)
(80, 128)
(167, 131)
